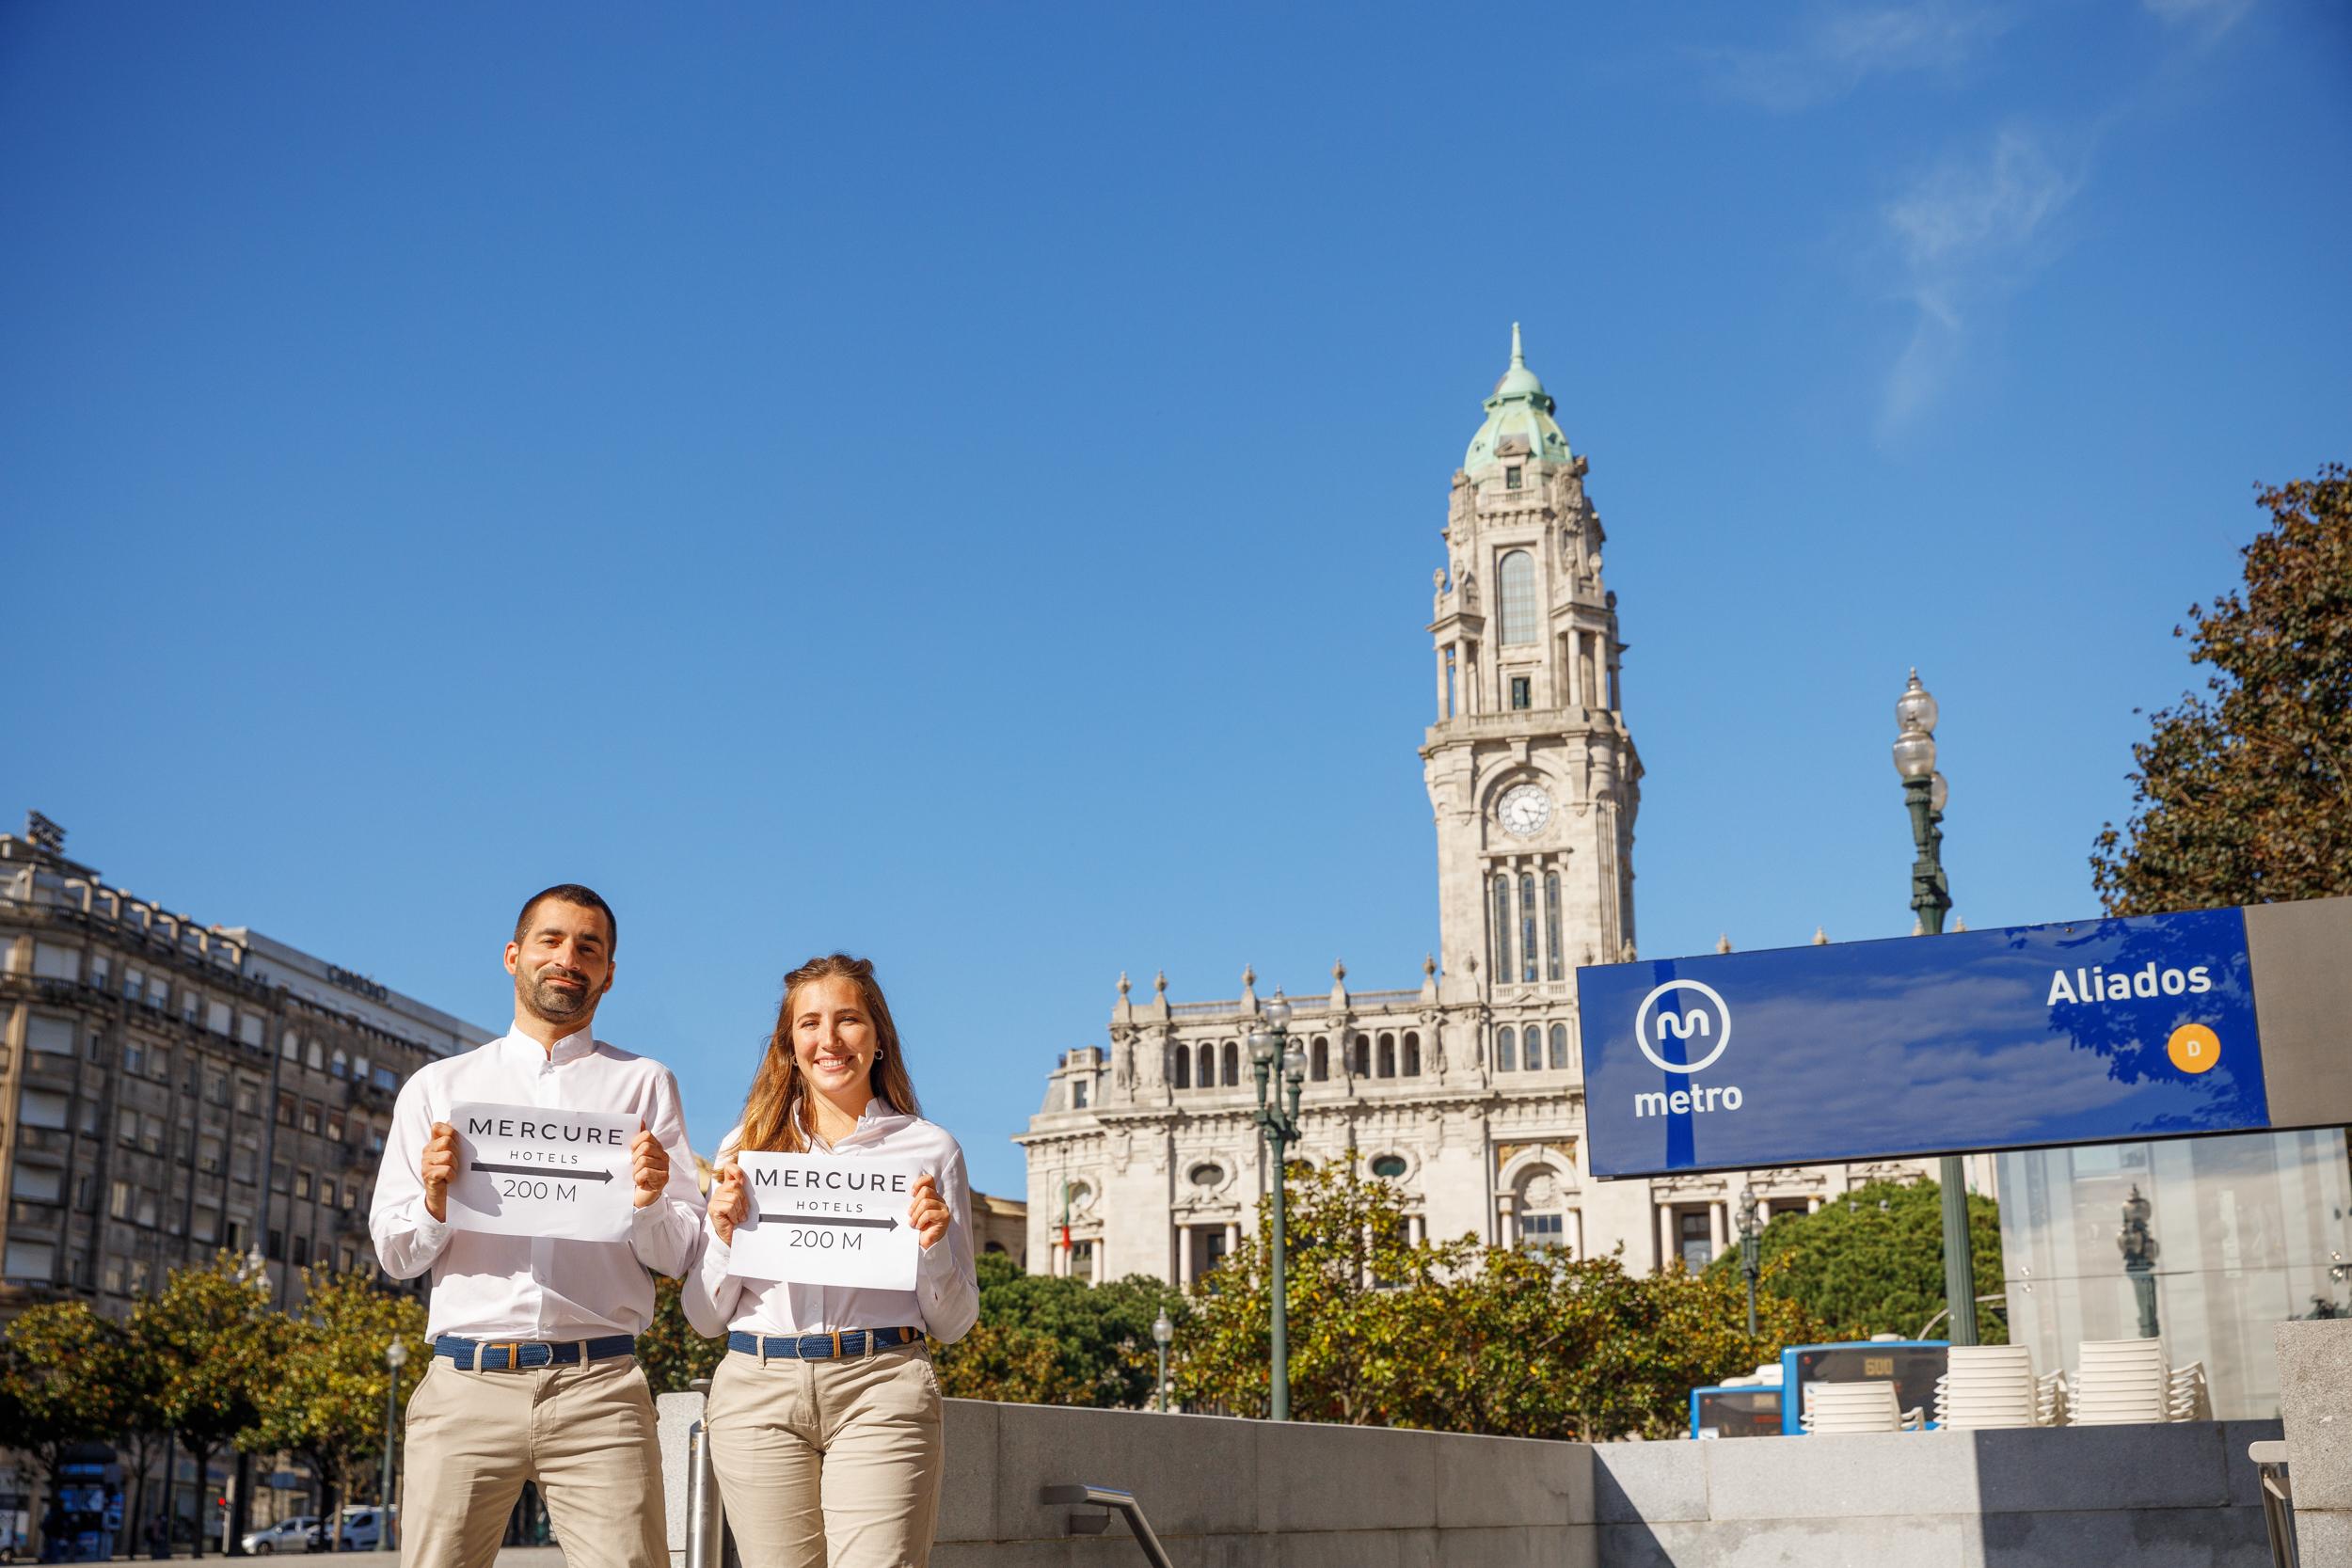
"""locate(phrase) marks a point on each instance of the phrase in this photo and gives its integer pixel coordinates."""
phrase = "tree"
(213, 1342)
(1099, 1338)
(2244, 795)
(1459, 1336)
(63, 1382)
(672, 1354)
(325, 1395)
(1872, 1262)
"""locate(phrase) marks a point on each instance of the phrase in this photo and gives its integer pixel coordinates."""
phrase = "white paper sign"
(828, 1219)
(524, 1170)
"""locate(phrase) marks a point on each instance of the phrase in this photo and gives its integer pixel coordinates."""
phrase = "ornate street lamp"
(1163, 1335)
(395, 1357)
(1924, 794)
(1268, 1047)
(1749, 1248)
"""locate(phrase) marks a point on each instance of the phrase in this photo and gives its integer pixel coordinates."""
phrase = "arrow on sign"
(828, 1219)
(543, 1170)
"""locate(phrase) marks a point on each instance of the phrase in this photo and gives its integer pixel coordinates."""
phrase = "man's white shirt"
(945, 1300)
(487, 1286)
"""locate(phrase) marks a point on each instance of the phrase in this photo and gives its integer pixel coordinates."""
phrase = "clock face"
(1523, 810)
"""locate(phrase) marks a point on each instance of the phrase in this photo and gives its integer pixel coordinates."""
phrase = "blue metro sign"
(2092, 1032)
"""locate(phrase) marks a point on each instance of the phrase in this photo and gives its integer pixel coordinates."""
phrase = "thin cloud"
(1840, 49)
(2211, 18)
(1965, 235)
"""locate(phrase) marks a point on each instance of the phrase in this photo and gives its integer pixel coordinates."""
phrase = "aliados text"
(2097, 985)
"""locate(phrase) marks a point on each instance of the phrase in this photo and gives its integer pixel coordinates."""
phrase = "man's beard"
(553, 1001)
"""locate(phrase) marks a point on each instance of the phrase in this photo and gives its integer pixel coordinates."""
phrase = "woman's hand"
(928, 1213)
(730, 1204)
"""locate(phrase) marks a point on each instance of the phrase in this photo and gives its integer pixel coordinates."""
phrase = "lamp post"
(1749, 1247)
(2139, 1248)
(1270, 1046)
(395, 1357)
(1163, 1334)
(1924, 794)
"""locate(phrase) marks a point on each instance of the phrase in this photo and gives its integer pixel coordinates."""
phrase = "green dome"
(1519, 406)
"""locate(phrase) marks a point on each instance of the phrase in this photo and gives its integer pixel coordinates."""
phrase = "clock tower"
(1532, 775)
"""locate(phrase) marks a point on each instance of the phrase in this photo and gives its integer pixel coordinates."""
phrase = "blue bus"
(1763, 1410)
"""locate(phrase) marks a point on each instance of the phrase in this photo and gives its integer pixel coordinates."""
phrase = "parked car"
(360, 1529)
(288, 1535)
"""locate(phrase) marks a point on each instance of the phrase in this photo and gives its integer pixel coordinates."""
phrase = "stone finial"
(1919, 927)
(1436, 579)
(1159, 983)
(1959, 925)
(1625, 955)
(1722, 943)
(1248, 976)
(1429, 964)
(1122, 982)
(1821, 936)
(1339, 970)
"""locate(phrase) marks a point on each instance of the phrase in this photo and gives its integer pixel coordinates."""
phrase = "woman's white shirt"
(945, 1300)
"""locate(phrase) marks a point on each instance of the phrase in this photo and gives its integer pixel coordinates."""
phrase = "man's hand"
(437, 1167)
(928, 1213)
(650, 1162)
(730, 1203)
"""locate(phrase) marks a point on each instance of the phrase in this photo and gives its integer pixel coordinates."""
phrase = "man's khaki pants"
(585, 1433)
(828, 1464)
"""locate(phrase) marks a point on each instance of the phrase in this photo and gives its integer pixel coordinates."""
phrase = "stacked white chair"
(2121, 1380)
(1989, 1385)
(1844, 1407)
(2189, 1400)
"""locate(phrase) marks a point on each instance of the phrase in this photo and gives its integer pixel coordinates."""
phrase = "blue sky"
(960, 483)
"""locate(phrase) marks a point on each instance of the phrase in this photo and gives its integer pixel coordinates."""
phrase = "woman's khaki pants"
(585, 1433)
(828, 1464)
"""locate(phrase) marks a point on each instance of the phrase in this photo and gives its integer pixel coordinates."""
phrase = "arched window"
(1506, 1049)
(1388, 1056)
(1412, 1055)
(1363, 1056)
(1319, 1059)
(1518, 570)
(1527, 926)
(1559, 1047)
(1183, 1068)
(1232, 1065)
(1551, 927)
(1207, 1075)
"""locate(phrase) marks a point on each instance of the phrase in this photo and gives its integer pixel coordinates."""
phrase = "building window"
(1207, 1075)
(302, 1252)
(1518, 572)
(1520, 698)
(1319, 1059)
(1451, 684)
(1183, 1068)
(1388, 1056)
(1388, 1166)
(342, 1065)
(1233, 1066)
(1527, 926)
(302, 1183)
(310, 1117)
(276, 1250)
(1362, 1062)
(1412, 1055)
(1544, 1232)
(1511, 477)
(1559, 1047)
(1077, 1094)
(1552, 925)
(1503, 927)
(1694, 1242)
(1506, 1049)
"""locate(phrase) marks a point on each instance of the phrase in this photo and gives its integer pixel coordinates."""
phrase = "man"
(535, 1376)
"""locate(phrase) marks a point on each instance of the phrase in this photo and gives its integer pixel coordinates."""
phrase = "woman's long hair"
(771, 1112)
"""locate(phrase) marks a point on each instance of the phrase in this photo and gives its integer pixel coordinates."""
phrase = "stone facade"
(170, 1091)
(1467, 1089)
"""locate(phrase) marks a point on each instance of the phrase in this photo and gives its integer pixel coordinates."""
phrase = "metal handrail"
(705, 1530)
(2277, 1501)
(1120, 1502)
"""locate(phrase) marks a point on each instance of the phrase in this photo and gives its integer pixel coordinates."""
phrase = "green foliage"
(65, 1378)
(1460, 1336)
(323, 1394)
(2244, 795)
(1872, 1262)
(213, 1343)
(671, 1353)
(1100, 1338)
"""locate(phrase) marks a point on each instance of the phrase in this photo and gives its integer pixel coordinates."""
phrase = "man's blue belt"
(506, 1356)
(822, 1347)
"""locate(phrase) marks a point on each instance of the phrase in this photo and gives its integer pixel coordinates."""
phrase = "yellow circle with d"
(2194, 1048)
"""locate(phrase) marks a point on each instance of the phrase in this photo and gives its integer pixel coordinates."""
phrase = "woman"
(828, 1452)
